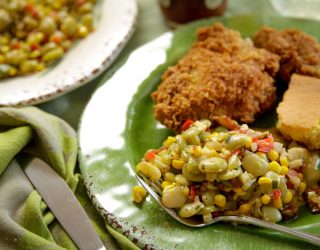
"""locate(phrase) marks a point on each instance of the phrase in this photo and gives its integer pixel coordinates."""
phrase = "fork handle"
(260, 223)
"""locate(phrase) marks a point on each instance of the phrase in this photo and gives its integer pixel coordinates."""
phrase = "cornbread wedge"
(299, 112)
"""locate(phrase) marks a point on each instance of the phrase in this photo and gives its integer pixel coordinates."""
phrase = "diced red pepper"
(265, 145)
(34, 46)
(235, 152)
(187, 124)
(15, 45)
(56, 39)
(150, 155)
(289, 185)
(193, 192)
(276, 194)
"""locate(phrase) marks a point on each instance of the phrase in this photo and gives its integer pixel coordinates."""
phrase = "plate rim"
(51, 91)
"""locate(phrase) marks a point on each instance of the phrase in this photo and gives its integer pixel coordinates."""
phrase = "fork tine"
(149, 185)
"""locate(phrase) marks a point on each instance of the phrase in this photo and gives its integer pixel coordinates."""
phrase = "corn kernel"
(245, 208)
(215, 133)
(169, 141)
(264, 180)
(275, 167)
(12, 71)
(248, 142)
(4, 49)
(265, 199)
(138, 193)
(302, 187)
(288, 197)
(284, 161)
(300, 175)
(277, 203)
(83, 31)
(239, 191)
(165, 184)
(196, 151)
(178, 164)
(220, 200)
(40, 67)
(284, 170)
(273, 155)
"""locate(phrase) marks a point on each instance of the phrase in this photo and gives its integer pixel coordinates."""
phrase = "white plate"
(115, 24)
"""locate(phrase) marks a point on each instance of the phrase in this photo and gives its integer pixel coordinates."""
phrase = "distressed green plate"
(118, 126)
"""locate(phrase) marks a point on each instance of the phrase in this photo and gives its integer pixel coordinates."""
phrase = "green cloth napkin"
(25, 220)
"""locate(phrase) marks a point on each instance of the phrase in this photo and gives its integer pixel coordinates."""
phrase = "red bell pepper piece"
(187, 124)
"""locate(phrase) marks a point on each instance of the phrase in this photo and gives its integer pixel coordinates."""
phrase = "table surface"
(150, 24)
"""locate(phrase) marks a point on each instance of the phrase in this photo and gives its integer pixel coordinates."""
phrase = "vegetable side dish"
(211, 172)
(35, 33)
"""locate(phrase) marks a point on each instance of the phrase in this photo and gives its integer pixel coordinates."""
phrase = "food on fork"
(298, 51)
(222, 74)
(210, 172)
(299, 112)
(34, 34)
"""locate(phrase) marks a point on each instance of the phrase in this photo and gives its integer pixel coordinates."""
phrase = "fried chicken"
(222, 74)
(299, 52)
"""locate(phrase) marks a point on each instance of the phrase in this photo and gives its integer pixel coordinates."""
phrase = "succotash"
(209, 172)
(35, 33)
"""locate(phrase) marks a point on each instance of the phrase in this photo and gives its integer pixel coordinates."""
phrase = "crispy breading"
(298, 51)
(222, 74)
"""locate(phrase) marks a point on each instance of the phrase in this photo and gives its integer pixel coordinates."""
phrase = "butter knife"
(63, 204)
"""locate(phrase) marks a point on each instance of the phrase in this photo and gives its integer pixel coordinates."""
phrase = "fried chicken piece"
(222, 74)
(299, 52)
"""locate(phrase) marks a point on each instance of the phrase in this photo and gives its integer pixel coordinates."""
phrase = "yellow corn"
(275, 167)
(245, 208)
(138, 193)
(273, 155)
(288, 197)
(284, 161)
(220, 200)
(284, 170)
(83, 31)
(215, 133)
(265, 199)
(239, 191)
(165, 184)
(4, 49)
(177, 164)
(167, 143)
(300, 175)
(302, 187)
(196, 151)
(12, 72)
(248, 142)
(277, 203)
(264, 180)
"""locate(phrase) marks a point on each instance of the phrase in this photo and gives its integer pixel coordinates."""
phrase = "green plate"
(118, 126)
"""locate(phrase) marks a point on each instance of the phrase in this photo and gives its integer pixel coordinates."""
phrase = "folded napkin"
(26, 222)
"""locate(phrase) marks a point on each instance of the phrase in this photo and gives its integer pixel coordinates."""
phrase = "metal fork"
(155, 193)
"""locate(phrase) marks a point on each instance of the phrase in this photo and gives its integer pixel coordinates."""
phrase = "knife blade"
(63, 204)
